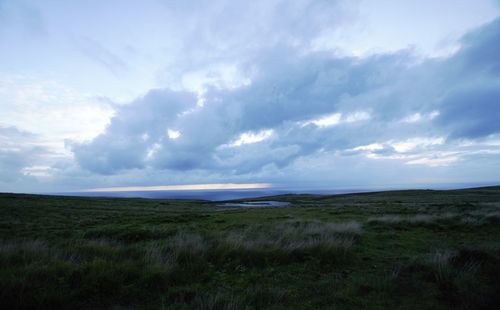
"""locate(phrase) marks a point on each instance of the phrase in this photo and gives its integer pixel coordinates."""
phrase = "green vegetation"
(401, 249)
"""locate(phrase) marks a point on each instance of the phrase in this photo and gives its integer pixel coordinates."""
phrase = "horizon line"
(185, 187)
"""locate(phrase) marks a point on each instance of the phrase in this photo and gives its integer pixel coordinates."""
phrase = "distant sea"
(231, 194)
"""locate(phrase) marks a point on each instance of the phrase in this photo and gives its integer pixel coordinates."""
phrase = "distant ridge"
(280, 194)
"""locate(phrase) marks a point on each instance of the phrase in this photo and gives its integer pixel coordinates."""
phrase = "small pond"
(255, 204)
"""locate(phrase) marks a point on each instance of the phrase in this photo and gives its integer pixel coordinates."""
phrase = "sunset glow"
(190, 187)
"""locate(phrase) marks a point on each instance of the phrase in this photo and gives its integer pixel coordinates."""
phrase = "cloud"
(18, 150)
(276, 98)
(246, 92)
(480, 50)
(22, 15)
(123, 145)
(471, 107)
(300, 104)
(212, 38)
(473, 112)
(100, 54)
(52, 110)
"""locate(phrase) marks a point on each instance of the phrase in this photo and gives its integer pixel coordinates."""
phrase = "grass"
(402, 250)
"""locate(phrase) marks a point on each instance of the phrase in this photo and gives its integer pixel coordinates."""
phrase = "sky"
(295, 94)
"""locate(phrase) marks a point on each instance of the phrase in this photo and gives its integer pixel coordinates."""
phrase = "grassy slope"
(416, 249)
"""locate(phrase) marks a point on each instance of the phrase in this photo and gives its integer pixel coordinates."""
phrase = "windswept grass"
(465, 278)
(25, 252)
(259, 244)
(397, 250)
(443, 220)
(289, 241)
(218, 301)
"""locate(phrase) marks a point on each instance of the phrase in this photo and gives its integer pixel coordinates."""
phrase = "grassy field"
(401, 249)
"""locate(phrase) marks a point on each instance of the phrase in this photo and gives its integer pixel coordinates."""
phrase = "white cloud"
(357, 117)
(151, 151)
(51, 110)
(173, 134)
(223, 76)
(413, 143)
(252, 137)
(325, 121)
(418, 117)
(37, 171)
(435, 161)
(336, 119)
(369, 147)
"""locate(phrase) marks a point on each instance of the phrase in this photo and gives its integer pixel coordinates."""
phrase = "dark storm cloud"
(471, 108)
(472, 113)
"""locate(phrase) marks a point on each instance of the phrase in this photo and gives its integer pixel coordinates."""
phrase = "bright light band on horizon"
(216, 186)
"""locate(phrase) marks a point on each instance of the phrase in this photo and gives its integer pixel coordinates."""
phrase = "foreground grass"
(407, 249)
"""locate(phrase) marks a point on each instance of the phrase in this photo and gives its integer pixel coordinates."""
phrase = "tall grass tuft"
(187, 247)
(443, 270)
(217, 301)
(290, 241)
(468, 219)
(24, 252)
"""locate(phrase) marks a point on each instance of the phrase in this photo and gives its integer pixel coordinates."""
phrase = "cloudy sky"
(299, 94)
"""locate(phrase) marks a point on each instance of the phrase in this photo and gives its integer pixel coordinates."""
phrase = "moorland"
(410, 249)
